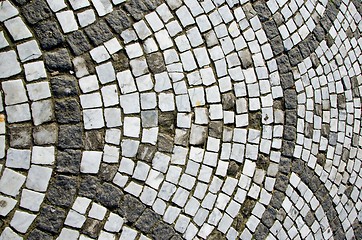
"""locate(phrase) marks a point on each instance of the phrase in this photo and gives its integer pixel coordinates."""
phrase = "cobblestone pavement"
(151, 119)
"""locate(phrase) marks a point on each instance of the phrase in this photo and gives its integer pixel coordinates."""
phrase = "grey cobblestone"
(58, 61)
(49, 34)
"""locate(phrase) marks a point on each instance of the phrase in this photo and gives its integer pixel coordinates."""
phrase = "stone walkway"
(152, 119)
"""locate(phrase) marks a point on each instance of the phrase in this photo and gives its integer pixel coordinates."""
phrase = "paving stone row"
(180, 119)
(202, 140)
(62, 190)
(338, 100)
(289, 82)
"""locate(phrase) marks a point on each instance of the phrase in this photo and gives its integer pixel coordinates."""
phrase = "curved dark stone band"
(288, 164)
(72, 137)
(67, 183)
(310, 178)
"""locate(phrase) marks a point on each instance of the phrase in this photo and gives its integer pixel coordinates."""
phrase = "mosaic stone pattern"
(152, 119)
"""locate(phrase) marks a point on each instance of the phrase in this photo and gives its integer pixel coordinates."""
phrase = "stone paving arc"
(151, 119)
